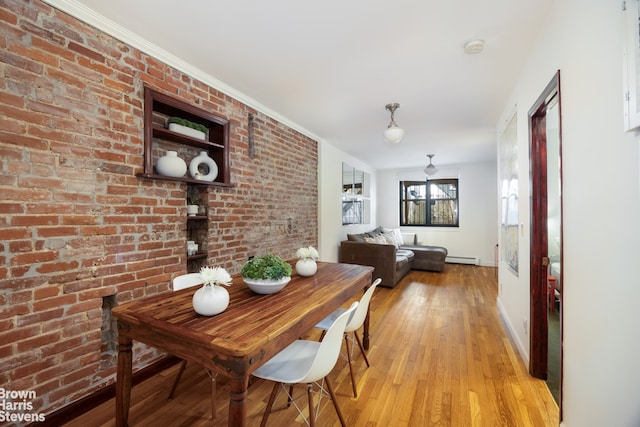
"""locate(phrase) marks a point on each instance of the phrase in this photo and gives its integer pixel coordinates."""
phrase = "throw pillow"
(396, 235)
(356, 237)
(379, 240)
(376, 232)
(390, 239)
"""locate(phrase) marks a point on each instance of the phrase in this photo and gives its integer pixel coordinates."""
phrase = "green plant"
(187, 123)
(267, 267)
(193, 196)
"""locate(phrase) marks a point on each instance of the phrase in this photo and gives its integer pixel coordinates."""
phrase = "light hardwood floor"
(439, 355)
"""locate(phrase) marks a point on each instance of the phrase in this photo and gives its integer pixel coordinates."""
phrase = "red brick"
(39, 317)
(19, 334)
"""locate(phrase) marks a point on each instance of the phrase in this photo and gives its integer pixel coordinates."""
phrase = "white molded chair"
(306, 362)
(182, 282)
(350, 333)
(186, 281)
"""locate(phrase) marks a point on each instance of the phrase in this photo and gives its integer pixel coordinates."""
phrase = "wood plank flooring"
(439, 355)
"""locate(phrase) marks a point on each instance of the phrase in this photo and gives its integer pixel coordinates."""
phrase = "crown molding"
(90, 17)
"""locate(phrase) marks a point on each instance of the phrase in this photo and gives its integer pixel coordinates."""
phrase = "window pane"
(443, 212)
(414, 212)
(443, 191)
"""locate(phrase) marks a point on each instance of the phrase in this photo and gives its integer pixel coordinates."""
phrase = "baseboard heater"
(463, 260)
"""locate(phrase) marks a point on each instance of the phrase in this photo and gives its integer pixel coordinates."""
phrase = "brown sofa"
(391, 260)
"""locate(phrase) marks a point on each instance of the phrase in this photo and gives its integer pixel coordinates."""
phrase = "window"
(437, 207)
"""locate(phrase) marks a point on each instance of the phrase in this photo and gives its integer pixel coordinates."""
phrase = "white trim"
(89, 16)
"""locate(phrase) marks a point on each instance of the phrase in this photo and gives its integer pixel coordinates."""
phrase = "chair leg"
(353, 380)
(183, 365)
(312, 417)
(364, 354)
(335, 402)
(289, 396)
(272, 399)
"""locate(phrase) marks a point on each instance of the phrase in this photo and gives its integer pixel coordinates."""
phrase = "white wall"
(331, 230)
(477, 234)
(601, 213)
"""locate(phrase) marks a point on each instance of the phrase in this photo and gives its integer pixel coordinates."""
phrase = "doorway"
(546, 238)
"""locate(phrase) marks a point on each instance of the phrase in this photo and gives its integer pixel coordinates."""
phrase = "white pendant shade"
(430, 169)
(393, 134)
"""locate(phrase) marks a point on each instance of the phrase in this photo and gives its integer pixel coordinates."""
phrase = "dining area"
(233, 345)
(438, 357)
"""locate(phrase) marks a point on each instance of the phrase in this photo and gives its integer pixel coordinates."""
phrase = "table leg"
(365, 331)
(237, 403)
(123, 380)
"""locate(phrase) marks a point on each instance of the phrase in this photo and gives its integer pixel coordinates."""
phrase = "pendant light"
(430, 169)
(393, 133)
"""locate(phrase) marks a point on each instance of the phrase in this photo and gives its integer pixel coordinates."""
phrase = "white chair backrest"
(329, 349)
(361, 312)
(186, 281)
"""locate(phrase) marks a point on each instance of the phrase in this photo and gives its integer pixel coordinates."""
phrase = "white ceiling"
(331, 66)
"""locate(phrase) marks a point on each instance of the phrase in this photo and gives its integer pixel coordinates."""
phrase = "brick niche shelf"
(158, 107)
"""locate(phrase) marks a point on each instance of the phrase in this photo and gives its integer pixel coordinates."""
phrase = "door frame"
(539, 239)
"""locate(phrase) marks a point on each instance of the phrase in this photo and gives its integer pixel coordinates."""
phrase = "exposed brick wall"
(77, 225)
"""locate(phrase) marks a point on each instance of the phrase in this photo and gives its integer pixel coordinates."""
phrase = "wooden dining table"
(237, 341)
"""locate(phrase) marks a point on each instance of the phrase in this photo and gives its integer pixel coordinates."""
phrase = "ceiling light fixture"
(430, 169)
(473, 47)
(393, 133)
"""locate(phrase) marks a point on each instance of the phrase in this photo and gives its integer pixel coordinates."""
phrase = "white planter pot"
(261, 286)
(192, 210)
(184, 130)
(306, 267)
(210, 300)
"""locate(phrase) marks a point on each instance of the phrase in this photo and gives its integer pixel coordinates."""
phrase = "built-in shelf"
(196, 256)
(198, 230)
(158, 139)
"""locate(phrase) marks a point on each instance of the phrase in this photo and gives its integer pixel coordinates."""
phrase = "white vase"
(210, 300)
(171, 165)
(210, 166)
(306, 267)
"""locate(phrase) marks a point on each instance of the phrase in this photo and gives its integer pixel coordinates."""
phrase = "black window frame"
(428, 201)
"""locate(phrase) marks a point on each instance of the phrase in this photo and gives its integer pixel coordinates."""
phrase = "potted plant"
(193, 201)
(266, 274)
(186, 127)
(192, 205)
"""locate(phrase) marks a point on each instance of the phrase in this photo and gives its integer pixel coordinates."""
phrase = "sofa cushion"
(405, 253)
(402, 262)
